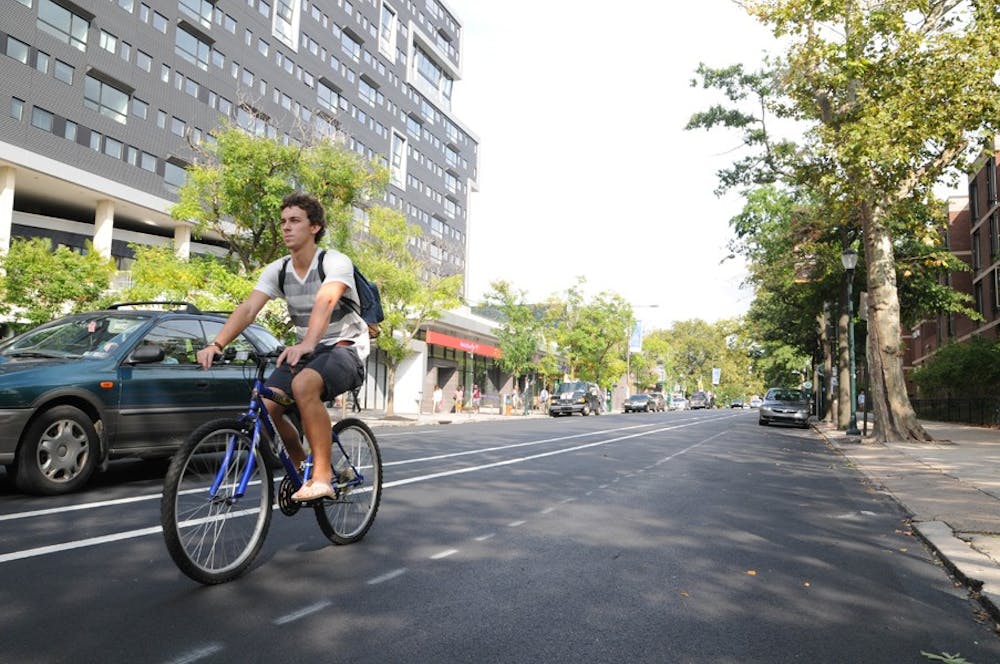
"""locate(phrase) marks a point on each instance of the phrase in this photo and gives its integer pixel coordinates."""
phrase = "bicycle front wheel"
(357, 462)
(213, 535)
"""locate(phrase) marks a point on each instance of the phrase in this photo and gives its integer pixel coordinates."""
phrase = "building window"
(105, 99)
(160, 22)
(148, 162)
(69, 131)
(367, 91)
(95, 140)
(285, 23)
(17, 50)
(397, 160)
(42, 62)
(63, 72)
(350, 46)
(144, 61)
(16, 108)
(41, 119)
(113, 148)
(200, 10)
(63, 24)
(108, 41)
(173, 174)
(327, 97)
(177, 126)
(192, 49)
(387, 32)
(991, 180)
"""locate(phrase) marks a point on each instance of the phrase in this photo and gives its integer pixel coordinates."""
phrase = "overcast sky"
(585, 167)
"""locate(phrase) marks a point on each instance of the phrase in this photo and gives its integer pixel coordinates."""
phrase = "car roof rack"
(186, 306)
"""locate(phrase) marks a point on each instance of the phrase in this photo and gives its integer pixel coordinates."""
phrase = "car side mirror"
(146, 354)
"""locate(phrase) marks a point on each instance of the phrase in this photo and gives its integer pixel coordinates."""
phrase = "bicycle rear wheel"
(214, 539)
(347, 518)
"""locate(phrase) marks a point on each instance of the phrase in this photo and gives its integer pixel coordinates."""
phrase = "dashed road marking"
(444, 554)
(388, 576)
(303, 612)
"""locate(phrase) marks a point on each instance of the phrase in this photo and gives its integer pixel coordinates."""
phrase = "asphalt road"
(672, 537)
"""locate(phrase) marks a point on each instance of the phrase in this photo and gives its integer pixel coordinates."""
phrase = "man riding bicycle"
(329, 358)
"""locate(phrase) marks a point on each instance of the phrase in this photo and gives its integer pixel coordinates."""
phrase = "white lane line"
(483, 538)
(200, 653)
(303, 612)
(444, 554)
(78, 544)
(511, 446)
(548, 510)
(114, 537)
(530, 457)
(515, 524)
(388, 576)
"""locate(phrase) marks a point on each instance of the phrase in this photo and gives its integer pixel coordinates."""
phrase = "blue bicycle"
(219, 489)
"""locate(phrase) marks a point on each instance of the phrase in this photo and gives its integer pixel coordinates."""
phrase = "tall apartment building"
(102, 98)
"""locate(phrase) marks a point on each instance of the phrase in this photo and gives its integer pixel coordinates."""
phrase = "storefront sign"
(462, 344)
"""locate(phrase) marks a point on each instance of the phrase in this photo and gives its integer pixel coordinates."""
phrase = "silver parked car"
(785, 405)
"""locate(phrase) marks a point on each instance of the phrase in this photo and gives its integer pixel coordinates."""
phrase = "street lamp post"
(850, 260)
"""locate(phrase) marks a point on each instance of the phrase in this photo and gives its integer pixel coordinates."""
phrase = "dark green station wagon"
(87, 388)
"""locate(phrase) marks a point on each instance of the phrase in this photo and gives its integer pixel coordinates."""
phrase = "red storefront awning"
(462, 344)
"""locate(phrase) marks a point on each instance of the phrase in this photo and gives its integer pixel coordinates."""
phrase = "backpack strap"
(284, 270)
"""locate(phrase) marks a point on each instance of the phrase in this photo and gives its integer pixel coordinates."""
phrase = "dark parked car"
(640, 402)
(785, 405)
(661, 401)
(122, 382)
(576, 397)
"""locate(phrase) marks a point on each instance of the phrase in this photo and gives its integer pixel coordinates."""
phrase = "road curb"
(976, 570)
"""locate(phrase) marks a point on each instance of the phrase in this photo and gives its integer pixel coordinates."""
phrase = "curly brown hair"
(312, 207)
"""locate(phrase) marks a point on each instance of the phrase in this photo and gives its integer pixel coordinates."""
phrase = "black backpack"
(371, 302)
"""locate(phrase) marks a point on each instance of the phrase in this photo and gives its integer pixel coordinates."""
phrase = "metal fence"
(982, 411)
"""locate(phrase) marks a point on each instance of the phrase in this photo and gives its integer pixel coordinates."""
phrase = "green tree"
(411, 295)
(591, 336)
(40, 284)
(235, 189)
(519, 333)
(895, 96)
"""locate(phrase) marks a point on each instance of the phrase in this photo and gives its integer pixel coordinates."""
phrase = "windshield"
(578, 386)
(79, 336)
(785, 395)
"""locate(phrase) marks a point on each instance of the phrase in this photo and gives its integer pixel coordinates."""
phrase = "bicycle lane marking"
(142, 532)
(156, 496)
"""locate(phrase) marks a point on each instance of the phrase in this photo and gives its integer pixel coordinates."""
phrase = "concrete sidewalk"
(950, 488)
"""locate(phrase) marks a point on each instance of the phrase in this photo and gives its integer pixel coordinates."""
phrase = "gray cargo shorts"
(340, 367)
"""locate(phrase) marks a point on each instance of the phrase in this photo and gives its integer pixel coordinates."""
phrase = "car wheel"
(586, 410)
(58, 453)
(762, 422)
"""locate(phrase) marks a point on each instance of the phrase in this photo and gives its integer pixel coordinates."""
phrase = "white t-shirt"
(300, 295)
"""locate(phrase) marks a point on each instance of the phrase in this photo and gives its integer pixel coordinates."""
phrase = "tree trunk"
(843, 416)
(390, 390)
(828, 389)
(895, 419)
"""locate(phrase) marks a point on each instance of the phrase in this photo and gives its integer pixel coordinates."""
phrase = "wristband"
(217, 345)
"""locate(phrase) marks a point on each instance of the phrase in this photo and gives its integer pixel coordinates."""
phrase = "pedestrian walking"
(477, 398)
(437, 398)
(459, 398)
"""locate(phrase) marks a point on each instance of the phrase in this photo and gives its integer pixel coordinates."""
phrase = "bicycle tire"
(214, 540)
(347, 519)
